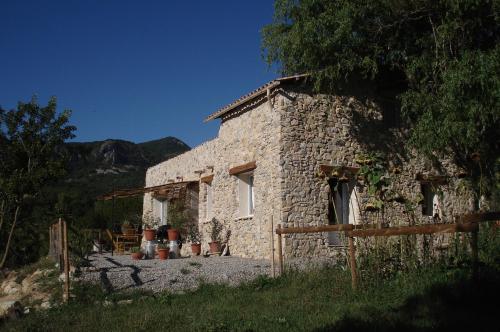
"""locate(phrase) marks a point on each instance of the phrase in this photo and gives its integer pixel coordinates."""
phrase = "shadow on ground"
(462, 306)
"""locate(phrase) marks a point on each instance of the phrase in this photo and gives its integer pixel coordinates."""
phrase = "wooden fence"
(58, 251)
(467, 223)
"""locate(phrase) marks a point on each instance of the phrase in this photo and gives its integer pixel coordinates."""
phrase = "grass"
(320, 300)
(439, 297)
(195, 264)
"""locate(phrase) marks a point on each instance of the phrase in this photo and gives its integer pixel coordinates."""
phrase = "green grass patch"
(319, 300)
(195, 264)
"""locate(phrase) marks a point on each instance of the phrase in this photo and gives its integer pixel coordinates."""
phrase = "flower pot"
(163, 253)
(173, 234)
(214, 247)
(149, 234)
(136, 255)
(196, 248)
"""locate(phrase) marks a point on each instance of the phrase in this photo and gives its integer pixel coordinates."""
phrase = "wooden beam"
(243, 168)
(207, 179)
(430, 178)
(414, 230)
(315, 229)
(479, 217)
(347, 171)
(139, 191)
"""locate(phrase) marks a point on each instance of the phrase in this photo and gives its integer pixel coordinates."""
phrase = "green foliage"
(216, 229)
(30, 138)
(135, 250)
(194, 235)
(374, 174)
(163, 246)
(177, 214)
(442, 59)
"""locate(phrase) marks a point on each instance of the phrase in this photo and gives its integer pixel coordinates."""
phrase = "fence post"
(60, 244)
(475, 258)
(352, 257)
(66, 263)
(273, 270)
(280, 249)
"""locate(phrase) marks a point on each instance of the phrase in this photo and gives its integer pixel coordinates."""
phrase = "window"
(208, 202)
(342, 206)
(430, 205)
(161, 210)
(246, 194)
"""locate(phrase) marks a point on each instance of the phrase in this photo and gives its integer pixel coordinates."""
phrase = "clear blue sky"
(134, 70)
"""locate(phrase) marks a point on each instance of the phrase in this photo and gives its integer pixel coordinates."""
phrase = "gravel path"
(120, 272)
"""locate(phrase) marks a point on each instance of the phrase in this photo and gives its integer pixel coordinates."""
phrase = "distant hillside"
(100, 167)
(118, 156)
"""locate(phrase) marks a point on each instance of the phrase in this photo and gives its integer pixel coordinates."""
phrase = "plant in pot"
(136, 253)
(163, 251)
(150, 229)
(177, 216)
(194, 237)
(215, 232)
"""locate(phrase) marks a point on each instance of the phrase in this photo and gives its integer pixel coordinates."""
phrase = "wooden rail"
(465, 224)
(414, 230)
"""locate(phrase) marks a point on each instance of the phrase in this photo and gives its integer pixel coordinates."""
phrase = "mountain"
(96, 168)
(114, 156)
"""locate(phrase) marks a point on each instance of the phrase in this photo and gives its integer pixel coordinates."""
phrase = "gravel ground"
(120, 272)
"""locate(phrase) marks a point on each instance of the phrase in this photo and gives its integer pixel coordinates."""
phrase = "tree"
(29, 140)
(443, 57)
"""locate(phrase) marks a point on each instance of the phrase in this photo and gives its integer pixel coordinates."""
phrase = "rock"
(125, 302)
(26, 310)
(27, 286)
(10, 309)
(11, 288)
(45, 305)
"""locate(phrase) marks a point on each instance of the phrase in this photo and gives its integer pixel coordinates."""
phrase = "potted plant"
(136, 253)
(150, 230)
(194, 237)
(163, 251)
(215, 232)
(177, 216)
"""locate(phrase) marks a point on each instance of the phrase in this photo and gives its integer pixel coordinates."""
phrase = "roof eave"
(259, 91)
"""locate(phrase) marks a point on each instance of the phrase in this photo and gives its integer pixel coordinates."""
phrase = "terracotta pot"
(196, 248)
(214, 247)
(137, 255)
(163, 253)
(149, 234)
(173, 234)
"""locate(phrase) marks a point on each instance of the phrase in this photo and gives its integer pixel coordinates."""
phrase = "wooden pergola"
(165, 191)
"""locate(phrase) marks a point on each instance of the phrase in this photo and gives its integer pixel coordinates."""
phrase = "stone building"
(286, 155)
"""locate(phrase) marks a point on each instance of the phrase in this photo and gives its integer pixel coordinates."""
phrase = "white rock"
(45, 305)
(10, 309)
(12, 288)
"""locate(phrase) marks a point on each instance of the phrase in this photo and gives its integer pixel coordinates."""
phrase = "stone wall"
(335, 130)
(251, 136)
(289, 137)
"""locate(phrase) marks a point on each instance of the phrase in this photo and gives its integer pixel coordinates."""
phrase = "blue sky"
(134, 70)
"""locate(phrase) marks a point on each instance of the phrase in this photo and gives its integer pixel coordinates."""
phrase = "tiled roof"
(249, 96)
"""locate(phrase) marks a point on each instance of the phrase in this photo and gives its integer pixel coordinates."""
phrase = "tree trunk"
(2, 214)
(7, 246)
